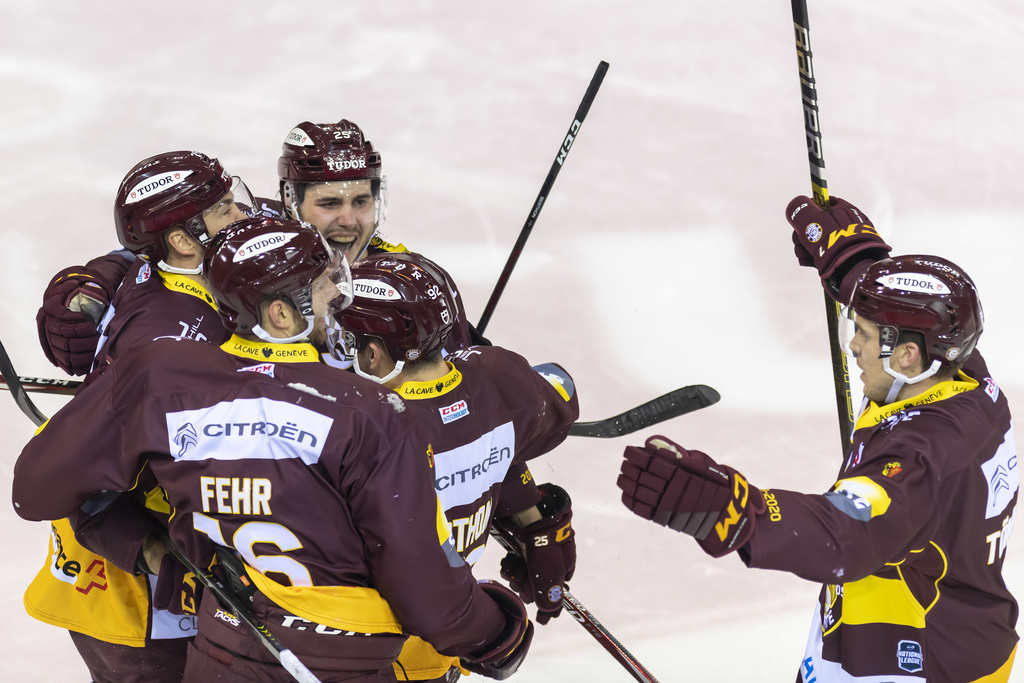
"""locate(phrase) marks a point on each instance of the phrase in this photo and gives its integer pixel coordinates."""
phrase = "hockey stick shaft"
(13, 382)
(664, 407)
(232, 601)
(538, 204)
(819, 186)
(286, 657)
(44, 385)
(586, 619)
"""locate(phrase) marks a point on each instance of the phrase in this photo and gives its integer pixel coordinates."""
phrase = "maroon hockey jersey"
(151, 303)
(313, 476)
(909, 542)
(483, 421)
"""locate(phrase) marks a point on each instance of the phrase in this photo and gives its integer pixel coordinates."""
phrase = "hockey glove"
(502, 657)
(689, 492)
(832, 241)
(548, 557)
(73, 304)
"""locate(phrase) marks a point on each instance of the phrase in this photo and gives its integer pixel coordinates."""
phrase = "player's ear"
(908, 358)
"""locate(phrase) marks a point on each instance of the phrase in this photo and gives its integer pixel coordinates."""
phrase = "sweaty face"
(344, 213)
(866, 349)
(222, 214)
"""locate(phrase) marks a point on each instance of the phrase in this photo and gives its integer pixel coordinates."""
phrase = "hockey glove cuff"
(502, 657)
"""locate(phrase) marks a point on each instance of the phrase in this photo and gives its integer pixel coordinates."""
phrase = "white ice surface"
(661, 258)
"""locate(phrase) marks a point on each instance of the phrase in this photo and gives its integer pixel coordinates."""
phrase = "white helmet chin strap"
(901, 379)
(379, 380)
(162, 265)
(265, 336)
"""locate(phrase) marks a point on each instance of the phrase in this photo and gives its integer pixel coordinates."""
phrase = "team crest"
(892, 469)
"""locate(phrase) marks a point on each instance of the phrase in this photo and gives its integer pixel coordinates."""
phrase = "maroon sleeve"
(111, 269)
(872, 517)
(518, 491)
(556, 412)
(117, 531)
(59, 468)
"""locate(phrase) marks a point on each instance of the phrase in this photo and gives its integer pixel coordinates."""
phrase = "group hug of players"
(303, 408)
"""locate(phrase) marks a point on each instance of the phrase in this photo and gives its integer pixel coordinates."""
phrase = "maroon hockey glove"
(832, 241)
(501, 658)
(73, 304)
(689, 492)
(548, 556)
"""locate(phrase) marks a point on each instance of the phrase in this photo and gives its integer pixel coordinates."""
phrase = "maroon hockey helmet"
(322, 152)
(167, 191)
(404, 300)
(261, 258)
(924, 294)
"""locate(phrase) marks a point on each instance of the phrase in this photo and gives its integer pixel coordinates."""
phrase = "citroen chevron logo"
(185, 437)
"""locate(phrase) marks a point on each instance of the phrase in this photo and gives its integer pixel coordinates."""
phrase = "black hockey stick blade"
(45, 385)
(672, 404)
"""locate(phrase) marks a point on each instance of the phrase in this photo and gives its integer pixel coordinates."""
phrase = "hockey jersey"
(313, 476)
(488, 416)
(909, 542)
(98, 593)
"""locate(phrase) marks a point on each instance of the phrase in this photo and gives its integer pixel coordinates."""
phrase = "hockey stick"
(288, 659)
(45, 385)
(819, 186)
(587, 620)
(665, 407)
(13, 383)
(241, 610)
(538, 204)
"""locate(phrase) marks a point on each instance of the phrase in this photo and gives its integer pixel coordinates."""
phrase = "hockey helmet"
(404, 300)
(262, 258)
(924, 294)
(172, 190)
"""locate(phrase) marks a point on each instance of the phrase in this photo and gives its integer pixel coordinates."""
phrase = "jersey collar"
(875, 414)
(298, 352)
(436, 387)
(186, 285)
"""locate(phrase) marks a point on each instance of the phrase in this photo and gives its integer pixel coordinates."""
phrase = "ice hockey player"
(909, 542)
(167, 208)
(332, 177)
(313, 477)
(485, 413)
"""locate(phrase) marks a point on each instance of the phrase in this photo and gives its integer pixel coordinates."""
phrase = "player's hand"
(501, 658)
(548, 558)
(73, 304)
(689, 492)
(829, 240)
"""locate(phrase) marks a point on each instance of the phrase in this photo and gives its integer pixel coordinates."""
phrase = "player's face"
(343, 211)
(222, 214)
(866, 348)
(325, 291)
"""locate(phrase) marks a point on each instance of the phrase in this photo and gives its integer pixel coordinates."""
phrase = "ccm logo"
(453, 408)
